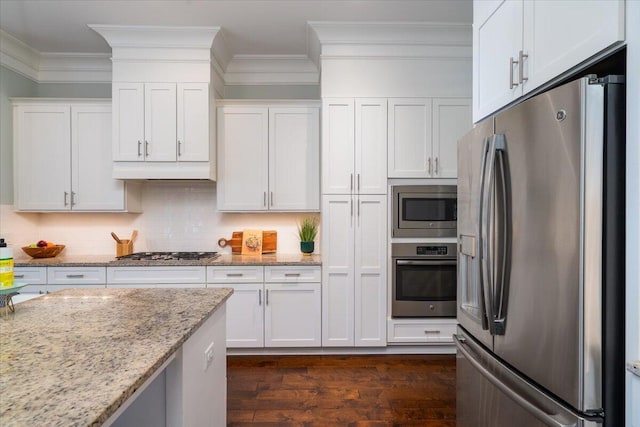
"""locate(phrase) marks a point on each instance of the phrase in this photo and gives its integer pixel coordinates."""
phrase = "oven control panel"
(431, 250)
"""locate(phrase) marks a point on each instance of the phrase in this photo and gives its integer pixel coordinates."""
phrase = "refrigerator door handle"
(502, 234)
(485, 234)
(547, 418)
(486, 319)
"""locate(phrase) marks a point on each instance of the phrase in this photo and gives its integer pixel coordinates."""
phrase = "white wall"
(177, 216)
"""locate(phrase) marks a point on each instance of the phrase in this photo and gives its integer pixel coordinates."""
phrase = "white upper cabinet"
(193, 122)
(354, 146)
(268, 158)
(160, 137)
(451, 121)
(519, 45)
(243, 144)
(423, 136)
(410, 138)
(161, 122)
(62, 158)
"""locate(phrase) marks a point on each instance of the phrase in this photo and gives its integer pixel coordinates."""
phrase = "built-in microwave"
(425, 210)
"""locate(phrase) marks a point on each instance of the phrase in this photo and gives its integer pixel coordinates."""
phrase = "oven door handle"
(425, 262)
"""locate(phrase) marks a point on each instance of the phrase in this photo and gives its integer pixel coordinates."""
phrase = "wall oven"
(424, 210)
(424, 279)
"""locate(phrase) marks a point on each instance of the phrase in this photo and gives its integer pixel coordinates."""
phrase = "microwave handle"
(425, 262)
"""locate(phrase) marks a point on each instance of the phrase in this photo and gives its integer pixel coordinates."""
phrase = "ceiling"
(249, 27)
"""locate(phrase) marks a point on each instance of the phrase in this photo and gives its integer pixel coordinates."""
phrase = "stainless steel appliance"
(423, 279)
(424, 211)
(541, 261)
(169, 256)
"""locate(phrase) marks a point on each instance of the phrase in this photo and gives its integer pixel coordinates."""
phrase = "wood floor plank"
(359, 391)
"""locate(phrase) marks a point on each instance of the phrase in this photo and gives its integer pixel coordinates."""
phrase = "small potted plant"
(307, 232)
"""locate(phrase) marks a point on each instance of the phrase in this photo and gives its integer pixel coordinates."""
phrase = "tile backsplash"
(176, 216)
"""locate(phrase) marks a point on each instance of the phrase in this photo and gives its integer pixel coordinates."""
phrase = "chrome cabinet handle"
(179, 148)
(358, 182)
(75, 276)
(350, 182)
(66, 203)
(271, 199)
(521, 77)
(234, 274)
(512, 62)
(431, 331)
(291, 274)
(139, 148)
(266, 298)
(73, 198)
(264, 199)
(259, 296)
(18, 276)
(436, 170)
(146, 148)
(429, 165)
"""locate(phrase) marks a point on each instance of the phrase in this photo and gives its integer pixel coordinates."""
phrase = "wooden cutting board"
(269, 242)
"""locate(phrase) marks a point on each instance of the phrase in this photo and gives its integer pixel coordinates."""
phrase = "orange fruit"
(50, 244)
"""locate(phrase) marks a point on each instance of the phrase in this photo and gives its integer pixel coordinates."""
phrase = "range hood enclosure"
(163, 101)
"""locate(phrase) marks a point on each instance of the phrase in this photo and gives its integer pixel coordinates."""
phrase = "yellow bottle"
(6, 265)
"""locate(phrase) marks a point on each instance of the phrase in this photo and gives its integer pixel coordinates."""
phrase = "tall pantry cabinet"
(354, 222)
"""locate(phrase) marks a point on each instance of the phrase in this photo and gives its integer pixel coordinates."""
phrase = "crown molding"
(18, 56)
(388, 40)
(271, 70)
(152, 36)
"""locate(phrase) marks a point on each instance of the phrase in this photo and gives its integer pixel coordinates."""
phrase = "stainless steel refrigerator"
(540, 340)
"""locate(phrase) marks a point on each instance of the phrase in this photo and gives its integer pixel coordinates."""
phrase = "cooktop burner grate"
(170, 256)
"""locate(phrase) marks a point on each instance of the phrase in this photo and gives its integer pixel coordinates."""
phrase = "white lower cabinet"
(354, 273)
(44, 280)
(275, 306)
(156, 277)
(423, 331)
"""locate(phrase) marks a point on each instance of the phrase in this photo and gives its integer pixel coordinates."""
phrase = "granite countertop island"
(72, 358)
(63, 260)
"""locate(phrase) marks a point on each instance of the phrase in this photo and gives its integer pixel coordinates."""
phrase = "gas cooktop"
(170, 256)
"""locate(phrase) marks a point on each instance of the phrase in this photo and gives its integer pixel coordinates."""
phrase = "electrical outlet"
(208, 356)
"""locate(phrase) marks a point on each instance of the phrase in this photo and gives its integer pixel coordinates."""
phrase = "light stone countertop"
(110, 261)
(71, 358)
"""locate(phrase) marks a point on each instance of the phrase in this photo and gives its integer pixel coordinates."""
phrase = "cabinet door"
(92, 187)
(338, 146)
(42, 144)
(371, 271)
(193, 122)
(497, 39)
(409, 145)
(292, 315)
(244, 314)
(160, 122)
(451, 121)
(294, 159)
(242, 158)
(338, 221)
(553, 48)
(371, 146)
(128, 121)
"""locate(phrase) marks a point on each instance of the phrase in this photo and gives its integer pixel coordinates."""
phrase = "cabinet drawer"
(235, 274)
(292, 274)
(416, 331)
(31, 275)
(156, 275)
(79, 275)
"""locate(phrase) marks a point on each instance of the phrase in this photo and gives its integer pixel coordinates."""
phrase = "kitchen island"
(100, 356)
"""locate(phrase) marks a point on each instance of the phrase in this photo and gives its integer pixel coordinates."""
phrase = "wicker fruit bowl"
(48, 252)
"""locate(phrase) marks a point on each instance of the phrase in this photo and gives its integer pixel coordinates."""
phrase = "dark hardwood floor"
(381, 390)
